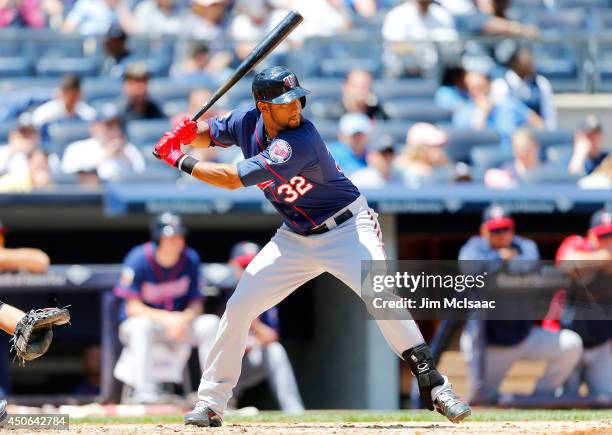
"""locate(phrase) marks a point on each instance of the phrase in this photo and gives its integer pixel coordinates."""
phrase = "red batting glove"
(186, 130)
(169, 148)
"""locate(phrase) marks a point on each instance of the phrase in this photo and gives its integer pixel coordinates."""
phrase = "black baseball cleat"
(451, 406)
(3, 413)
(203, 416)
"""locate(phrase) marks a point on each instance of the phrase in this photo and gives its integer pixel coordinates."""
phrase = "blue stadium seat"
(101, 88)
(602, 21)
(48, 43)
(155, 171)
(62, 134)
(461, 142)
(417, 111)
(554, 174)
(407, 88)
(584, 4)
(559, 154)
(28, 83)
(320, 107)
(5, 128)
(56, 67)
(144, 131)
(395, 128)
(562, 22)
(323, 87)
(556, 137)
(341, 67)
(562, 64)
(15, 66)
(327, 129)
(174, 107)
(240, 91)
(489, 156)
(168, 89)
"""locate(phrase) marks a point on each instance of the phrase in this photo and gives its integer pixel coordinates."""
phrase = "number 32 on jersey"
(297, 186)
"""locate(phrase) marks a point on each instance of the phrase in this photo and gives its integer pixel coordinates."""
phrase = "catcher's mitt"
(34, 332)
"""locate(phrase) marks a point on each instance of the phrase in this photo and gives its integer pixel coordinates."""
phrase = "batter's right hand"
(186, 130)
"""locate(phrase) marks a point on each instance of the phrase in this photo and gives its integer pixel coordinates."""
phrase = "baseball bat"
(269, 43)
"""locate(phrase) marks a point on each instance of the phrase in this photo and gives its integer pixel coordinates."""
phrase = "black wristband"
(186, 164)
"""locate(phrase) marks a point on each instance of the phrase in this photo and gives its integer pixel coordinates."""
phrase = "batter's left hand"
(169, 148)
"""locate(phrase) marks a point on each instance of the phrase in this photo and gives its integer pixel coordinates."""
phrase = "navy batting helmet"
(167, 224)
(278, 85)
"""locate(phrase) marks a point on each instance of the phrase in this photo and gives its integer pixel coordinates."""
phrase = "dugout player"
(265, 357)
(508, 341)
(592, 256)
(328, 227)
(162, 303)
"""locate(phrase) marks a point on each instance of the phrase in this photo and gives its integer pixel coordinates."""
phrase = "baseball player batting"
(328, 227)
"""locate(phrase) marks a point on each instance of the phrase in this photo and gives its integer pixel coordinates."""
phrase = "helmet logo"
(290, 81)
(279, 151)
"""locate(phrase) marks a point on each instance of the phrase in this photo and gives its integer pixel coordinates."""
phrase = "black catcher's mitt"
(34, 333)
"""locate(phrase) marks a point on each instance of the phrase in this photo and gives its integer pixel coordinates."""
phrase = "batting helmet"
(278, 85)
(167, 224)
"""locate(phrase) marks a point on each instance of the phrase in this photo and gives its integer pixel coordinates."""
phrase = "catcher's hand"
(34, 332)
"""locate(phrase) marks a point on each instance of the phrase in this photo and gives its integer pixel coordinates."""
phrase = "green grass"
(356, 416)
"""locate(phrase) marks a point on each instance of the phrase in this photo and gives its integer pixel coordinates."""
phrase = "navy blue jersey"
(295, 170)
(170, 289)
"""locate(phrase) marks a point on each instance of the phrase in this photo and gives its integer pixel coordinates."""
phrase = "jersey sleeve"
(131, 277)
(224, 128)
(285, 157)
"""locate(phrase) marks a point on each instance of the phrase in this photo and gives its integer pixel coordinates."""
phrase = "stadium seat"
(584, 4)
(56, 67)
(562, 64)
(48, 43)
(551, 175)
(62, 134)
(461, 142)
(417, 111)
(327, 129)
(395, 128)
(341, 67)
(15, 66)
(166, 89)
(489, 156)
(5, 128)
(28, 83)
(562, 22)
(323, 87)
(556, 137)
(146, 131)
(602, 21)
(408, 88)
(101, 88)
(559, 154)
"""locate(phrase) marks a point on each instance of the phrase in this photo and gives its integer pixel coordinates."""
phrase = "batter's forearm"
(217, 174)
(9, 317)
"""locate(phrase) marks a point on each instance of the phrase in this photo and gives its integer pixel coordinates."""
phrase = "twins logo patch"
(280, 151)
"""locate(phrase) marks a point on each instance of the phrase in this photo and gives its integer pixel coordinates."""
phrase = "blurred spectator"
(508, 341)
(66, 106)
(600, 178)
(265, 357)
(481, 112)
(207, 19)
(358, 96)
(408, 27)
(95, 17)
(90, 385)
(588, 260)
(116, 51)
(158, 17)
(136, 103)
(353, 138)
(21, 142)
(36, 176)
(107, 152)
(200, 65)
(424, 160)
(26, 13)
(452, 92)
(487, 17)
(380, 169)
(321, 18)
(161, 311)
(526, 150)
(523, 83)
(588, 147)
(364, 8)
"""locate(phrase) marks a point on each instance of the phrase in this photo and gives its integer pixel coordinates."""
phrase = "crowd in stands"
(410, 104)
